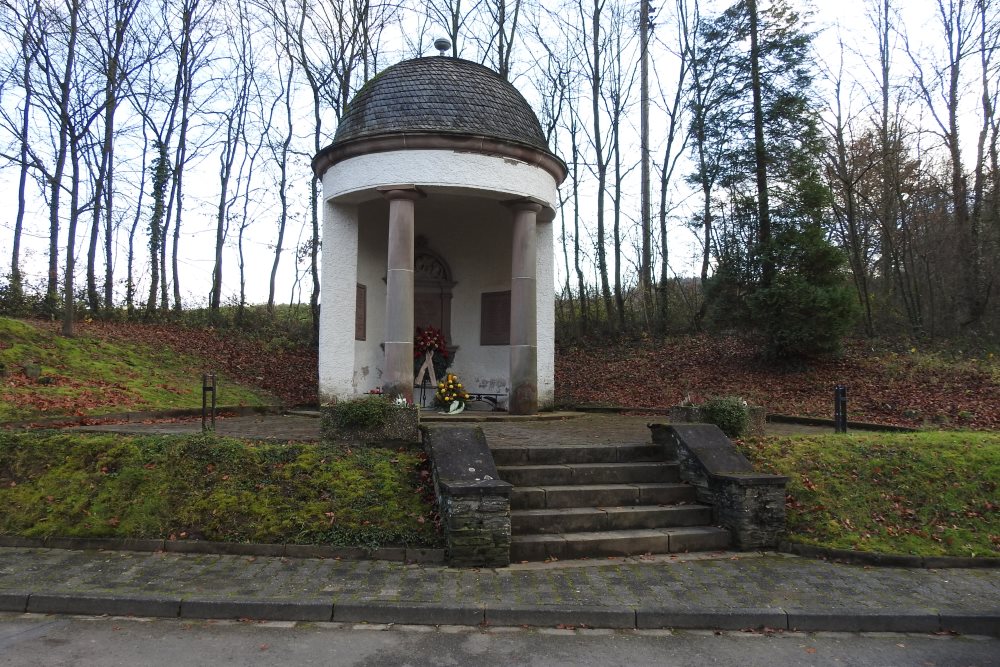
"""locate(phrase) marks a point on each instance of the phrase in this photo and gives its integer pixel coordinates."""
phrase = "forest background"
(742, 165)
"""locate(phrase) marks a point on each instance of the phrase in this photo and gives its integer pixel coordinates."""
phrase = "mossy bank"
(205, 487)
(90, 376)
(925, 494)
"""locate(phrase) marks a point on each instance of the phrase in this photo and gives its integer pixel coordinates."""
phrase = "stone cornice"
(341, 151)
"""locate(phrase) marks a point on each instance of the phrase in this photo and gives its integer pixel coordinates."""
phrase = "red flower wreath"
(429, 340)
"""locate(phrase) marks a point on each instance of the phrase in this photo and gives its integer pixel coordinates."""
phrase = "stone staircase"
(582, 501)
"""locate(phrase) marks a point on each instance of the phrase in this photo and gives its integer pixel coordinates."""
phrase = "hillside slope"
(886, 383)
(97, 373)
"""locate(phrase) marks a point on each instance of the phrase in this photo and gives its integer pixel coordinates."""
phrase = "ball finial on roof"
(442, 44)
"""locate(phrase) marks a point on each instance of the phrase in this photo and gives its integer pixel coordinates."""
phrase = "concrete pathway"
(727, 591)
(571, 428)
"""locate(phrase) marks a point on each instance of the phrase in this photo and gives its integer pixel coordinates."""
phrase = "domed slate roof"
(441, 95)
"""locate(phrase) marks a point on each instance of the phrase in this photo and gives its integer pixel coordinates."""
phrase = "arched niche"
(432, 288)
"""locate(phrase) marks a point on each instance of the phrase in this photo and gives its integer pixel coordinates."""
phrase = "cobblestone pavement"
(728, 581)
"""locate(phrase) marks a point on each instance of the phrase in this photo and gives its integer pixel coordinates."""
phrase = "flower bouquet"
(451, 395)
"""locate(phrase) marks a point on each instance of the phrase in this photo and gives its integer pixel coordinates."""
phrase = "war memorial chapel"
(439, 192)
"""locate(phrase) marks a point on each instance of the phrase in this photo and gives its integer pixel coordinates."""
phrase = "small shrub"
(369, 412)
(729, 413)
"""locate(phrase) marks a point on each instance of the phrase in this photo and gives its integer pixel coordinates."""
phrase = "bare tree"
(280, 151)
(191, 47)
(964, 33)
(109, 30)
(452, 16)
(22, 26)
(850, 162)
(674, 146)
(501, 33)
(646, 258)
(56, 58)
(592, 31)
(238, 85)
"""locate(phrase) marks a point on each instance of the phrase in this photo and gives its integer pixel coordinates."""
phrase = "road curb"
(409, 613)
(712, 619)
(271, 610)
(435, 613)
(867, 620)
(568, 615)
(99, 605)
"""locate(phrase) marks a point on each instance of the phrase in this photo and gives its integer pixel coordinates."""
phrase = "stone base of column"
(523, 380)
(398, 357)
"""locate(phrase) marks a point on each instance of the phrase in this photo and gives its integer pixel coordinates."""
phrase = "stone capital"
(517, 205)
(408, 192)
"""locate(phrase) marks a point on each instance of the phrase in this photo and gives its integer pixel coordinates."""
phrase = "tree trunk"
(74, 204)
(646, 262)
(760, 152)
(65, 85)
(282, 188)
(29, 49)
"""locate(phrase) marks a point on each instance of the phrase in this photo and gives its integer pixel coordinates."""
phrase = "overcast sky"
(844, 20)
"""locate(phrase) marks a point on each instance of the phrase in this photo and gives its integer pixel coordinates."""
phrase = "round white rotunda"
(439, 190)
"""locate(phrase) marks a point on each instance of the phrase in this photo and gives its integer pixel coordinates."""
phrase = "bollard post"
(207, 409)
(840, 409)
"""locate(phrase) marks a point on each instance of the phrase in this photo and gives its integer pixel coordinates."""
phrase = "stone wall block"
(474, 502)
(750, 504)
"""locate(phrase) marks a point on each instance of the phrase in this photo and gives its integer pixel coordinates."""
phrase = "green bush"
(369, 412)
(809, 307)
(729, 413)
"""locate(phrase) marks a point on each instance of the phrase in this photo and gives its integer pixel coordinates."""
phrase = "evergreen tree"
(769, 242)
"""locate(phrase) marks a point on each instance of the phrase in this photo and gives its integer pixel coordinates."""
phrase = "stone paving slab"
(727, 591)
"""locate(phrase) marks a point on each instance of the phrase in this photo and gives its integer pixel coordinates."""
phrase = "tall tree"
(160, 169)
(57, 57)
(592, 31)
(967, 29)
(646, 259)
(115, 43)
(238, 86)
(674, 147)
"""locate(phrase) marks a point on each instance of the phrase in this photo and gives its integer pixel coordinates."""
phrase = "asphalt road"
(39, 640)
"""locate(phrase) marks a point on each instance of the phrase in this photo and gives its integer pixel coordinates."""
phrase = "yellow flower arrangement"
(450, 391)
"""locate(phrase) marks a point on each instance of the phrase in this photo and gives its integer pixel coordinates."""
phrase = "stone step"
(617, 543)
(589, 473)
(600, 495)
(564, 454)
(590, 519)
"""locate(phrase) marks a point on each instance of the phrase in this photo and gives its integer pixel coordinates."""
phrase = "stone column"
(398, 373)
(523, 311)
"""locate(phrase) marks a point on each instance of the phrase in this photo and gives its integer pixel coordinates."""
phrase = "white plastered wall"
(336, 321)
(463, 220)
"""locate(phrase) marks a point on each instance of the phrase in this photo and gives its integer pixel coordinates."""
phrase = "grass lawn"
(930, 493)
(212, 488)
(90, 376)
